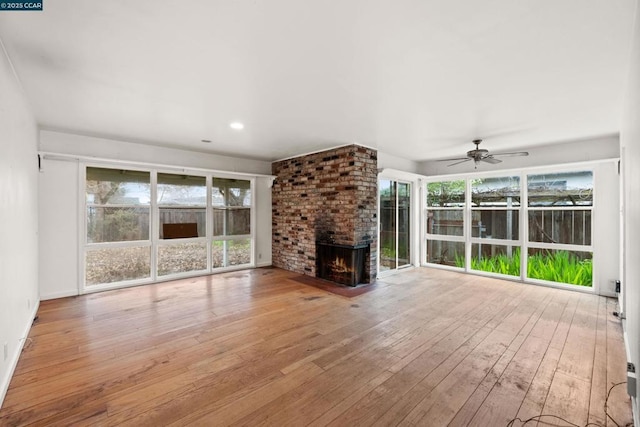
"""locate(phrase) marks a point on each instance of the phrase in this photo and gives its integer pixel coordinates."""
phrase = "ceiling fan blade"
(482, 155)
(457, 163)
(490, 159)
(452, 160)
(516, 154)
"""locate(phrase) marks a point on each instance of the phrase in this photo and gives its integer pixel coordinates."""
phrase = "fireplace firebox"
(344, 264)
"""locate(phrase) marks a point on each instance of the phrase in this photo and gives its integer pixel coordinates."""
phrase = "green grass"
(559, 266)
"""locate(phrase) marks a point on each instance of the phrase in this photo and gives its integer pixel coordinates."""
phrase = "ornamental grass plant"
(553, 266)
(560, 266)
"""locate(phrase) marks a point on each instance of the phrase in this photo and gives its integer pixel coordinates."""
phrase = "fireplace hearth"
(343, 264)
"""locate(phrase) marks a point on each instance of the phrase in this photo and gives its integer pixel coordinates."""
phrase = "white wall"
(80, 145)
(606, 235)
(58, 219)
(18, 220)
(59, 199)
(630, 155)
(389, 161)
(567, 152)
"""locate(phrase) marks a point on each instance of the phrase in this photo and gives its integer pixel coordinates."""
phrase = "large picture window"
(536, 227)
(144, 225)
(560, 211)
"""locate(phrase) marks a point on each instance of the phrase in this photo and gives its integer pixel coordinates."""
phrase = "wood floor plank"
(385, 403)
(569, 393)
(619, 401)
(533, 403)
(503, 402)
(544, 322)
(599, 375)
(259, 347)
(442, 402)
(343, 405)
(301, 406)
(552, 326)
(579, 347)
(468, 410)
(238, 408)
(463, 381)
(568, 398)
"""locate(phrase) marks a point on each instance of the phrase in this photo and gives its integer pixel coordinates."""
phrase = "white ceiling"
(418, 79)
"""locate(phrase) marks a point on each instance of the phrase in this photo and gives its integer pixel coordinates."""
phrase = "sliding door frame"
(413, 181)
(154, 241)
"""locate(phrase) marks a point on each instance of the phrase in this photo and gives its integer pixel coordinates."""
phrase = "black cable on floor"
(569, 423)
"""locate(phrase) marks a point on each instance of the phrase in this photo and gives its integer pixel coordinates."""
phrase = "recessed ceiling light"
(206, 141)
(236, 125)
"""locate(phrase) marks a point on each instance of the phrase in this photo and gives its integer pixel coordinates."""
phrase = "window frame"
(492, 241)
(523, 239)
(445, 237)
(87, 246)
(230, 237)
(527, 244)
(154, 242)
(159, 243)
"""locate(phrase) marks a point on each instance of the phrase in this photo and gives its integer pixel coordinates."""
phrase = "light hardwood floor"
(425, 347)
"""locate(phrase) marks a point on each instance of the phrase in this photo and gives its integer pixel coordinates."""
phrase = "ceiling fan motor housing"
(477, 153)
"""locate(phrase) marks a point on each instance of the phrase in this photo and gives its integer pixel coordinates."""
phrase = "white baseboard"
(627, 349)
(4, 385)
(62, 294)
(264, 264)
(608, 294)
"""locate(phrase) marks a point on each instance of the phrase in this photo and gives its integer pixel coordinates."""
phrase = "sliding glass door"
(395, 225)
(117, 238)
(147, 225)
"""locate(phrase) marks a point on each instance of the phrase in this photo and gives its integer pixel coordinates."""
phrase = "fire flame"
(340, 266)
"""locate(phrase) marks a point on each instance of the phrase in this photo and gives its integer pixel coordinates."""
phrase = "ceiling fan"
(481, 155)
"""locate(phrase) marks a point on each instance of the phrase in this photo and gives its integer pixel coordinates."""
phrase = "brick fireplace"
(327, 197)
